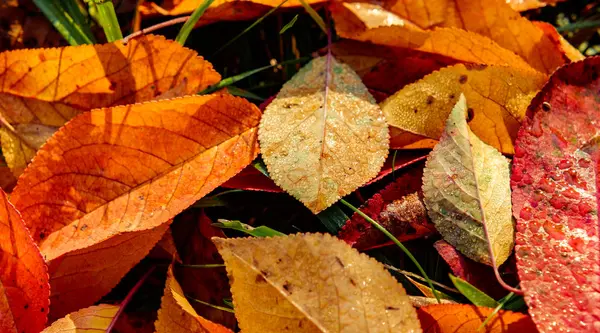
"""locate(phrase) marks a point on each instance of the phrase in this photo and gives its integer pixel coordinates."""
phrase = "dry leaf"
(461, 318)
(498, 97)
(123, 172)
(323, 136)
(50, 86)
(454, 43)
(177, 315)
(312, 283)
(555, 196)
(24, 288)
(466, 188)
(94, 318)
(567, 49)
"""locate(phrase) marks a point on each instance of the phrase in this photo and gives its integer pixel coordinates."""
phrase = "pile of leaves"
(473, 129)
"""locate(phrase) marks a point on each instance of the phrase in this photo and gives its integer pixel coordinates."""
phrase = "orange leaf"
(99, 193)
(47, 87)
(462, 318)
(177, 315)
(352, 21)
(24, 288)
(95, 318)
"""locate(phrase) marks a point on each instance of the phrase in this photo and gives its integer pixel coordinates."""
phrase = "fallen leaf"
(397, 208)
(193, 232)
(454, 43)
(401, 139)
(7, 179)
(466, 189)
(420, 301)
(312, 283)
(567, 49)
(20, 146)
(253, 180)
(555, 188)
(96, 318)
(123, 173)
(177, 315)
(498, 97)
(523, 5)
(47, 87)
(398, 161)
(323, 136)
(462, 318)
(165, 248)
(24, 288)
(479, 275)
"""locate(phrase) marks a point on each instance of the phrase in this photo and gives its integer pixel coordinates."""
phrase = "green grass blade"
(333, 218)
(397, 242)
(500, 306)
(233, 79)
(185, 31)
(75, 11)
(248, 28)
(202, 266)
(260, 165)
(222, 308)
(473, 294)
(315, 16)
(261, 231)
(416, 276)
(63, 22)
(108, 19)
(289, 25)
(235, 91)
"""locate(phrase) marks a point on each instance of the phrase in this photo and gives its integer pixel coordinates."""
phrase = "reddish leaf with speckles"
(555, 201)
(398, 207)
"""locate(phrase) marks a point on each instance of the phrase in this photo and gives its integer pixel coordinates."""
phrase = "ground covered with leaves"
(299, 166)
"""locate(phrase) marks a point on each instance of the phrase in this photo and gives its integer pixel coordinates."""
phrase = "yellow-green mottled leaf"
(466, 185)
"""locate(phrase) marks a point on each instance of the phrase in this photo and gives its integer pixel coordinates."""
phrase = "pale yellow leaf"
(312, 283)
(498, 98)
(466, 188)
(323, 136)
(19, 150)
(96, 318)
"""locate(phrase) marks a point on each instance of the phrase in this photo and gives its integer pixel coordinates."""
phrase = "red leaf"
(253, 180)
(360, 233)
(555, 201)
(480, 275)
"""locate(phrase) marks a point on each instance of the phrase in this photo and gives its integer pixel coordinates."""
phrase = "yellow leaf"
(95, 318)
(498, 98)
(176, 314)
(323, 136)
(20, 146)
(47, 87)
(312, 283)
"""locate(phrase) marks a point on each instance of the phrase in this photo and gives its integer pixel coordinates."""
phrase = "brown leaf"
(312, 283)
(118, 175)
(462, 318)
(50, 86)
(177, 315)
(24, 288)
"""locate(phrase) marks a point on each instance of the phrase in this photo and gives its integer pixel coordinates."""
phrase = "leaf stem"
(108, 19)
(64, 23)
(129, 297)
(416, 276)
(185, 31)
(155, 27)
(500, 306)
(222, 308)
(202, 266)
(400, 245)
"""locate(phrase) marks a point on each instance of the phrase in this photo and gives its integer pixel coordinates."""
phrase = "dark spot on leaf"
(415, 110)
(265, 273)
(470, 114)
(83, 227)
(259, 279)
(430, 100)
(339, 261)
(26, 306)
(42, 235)
(288, 287)
(42, 310)
(391, 308)
(352, 282)
(463, 79)
(452, 96)
(546, 106)
(113, 85)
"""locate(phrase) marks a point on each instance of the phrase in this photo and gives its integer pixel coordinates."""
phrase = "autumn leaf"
(253, 180)
(43, 88)
(323, 136)
(454, 43)
(555, 188)
(461, 318)
(177, 315)
(106, 184)
(24, 288)
(498, 97)
(567, 49)
(397, 208)
(97, 318)
(277, 281)
(467, 192)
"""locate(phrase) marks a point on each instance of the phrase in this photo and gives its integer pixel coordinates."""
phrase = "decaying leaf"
(47, 87)
(466, 189)
(555, 197)
(323, 136)
(177, 315)
(24, 288)
(454, 43)
(312, 283)
(94, 318)
(106, 184)
(498, 97)
(397, 208)
(461, 318)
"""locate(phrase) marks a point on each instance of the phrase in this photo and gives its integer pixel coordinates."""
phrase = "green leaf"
(289, 25)
(261, 231)
(466, 187)
(185, 31)
(473, 294)
(333, 218)
(108, 19)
